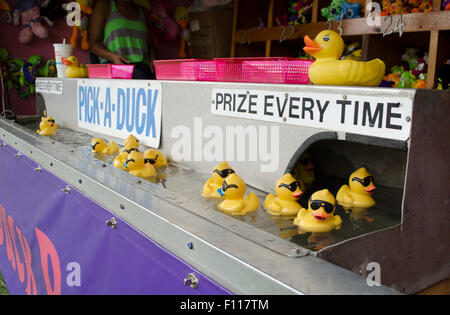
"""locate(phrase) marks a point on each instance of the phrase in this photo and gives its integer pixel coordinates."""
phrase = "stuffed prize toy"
(31, 20)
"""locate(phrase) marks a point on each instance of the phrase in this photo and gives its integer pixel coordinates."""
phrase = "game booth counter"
(87, 227)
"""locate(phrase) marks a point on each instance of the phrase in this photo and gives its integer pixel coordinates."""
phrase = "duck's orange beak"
(66, 61)
(297, 194)
(320, 214)
(311, 46)
(370, 189)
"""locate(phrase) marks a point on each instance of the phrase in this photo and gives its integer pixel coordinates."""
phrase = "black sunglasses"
(51, 120)
(129, 151)
(225, 186)
(316, 204)
(224, 173)
(93, 146)
(365, 182)
(292, 187)
(130, 160)
(151, 161)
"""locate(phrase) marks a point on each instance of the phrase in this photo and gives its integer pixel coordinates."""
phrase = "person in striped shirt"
(120, 34)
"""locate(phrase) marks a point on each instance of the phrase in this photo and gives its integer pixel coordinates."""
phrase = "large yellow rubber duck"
(99, 146)
(233, 191)
(319, 218)
(155, 158)
(288, 190)
(358, 193)
(304, 169)
(47, 126)
(327, 48)
(130, 144)
(74, 69)
(136, 166)
(219, 173)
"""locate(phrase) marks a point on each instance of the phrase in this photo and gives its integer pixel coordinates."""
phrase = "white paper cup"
(62, 50)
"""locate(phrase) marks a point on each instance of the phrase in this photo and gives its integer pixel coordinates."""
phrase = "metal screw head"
(284, 119)
(66, 190)
(38, 169)
(18, 155)
(112, 223)
(408, 118)
(191, 281)
(190, 245)
(344, 97)
(122, 206)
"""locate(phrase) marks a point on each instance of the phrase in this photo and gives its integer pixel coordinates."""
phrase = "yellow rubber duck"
(233, 191)
(327, 48)
(304, 169)
(319, 218)
(74, 69)
(155, 158)
(288, 191)
(47, 126)
(219, 173)
(99, 146)
(130, 144)
(136, 166)
(358, 194)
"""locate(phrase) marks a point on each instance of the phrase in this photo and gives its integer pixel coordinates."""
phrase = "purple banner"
(52, 242)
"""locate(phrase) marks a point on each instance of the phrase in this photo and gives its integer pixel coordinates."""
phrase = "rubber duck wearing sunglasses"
(319, 217)
(219, 173)
(358, 194)
(288, 190)
(155, 158)
(136, 166)
(99, 146)
(47, 126)
(304, 170)
(233, 191)
(130, 144)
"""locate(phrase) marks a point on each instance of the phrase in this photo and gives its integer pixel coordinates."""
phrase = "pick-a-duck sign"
(121, 107)
(372, 115)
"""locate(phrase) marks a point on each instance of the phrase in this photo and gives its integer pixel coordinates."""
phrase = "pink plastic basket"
(109, 71)
(263, 70)
(186, 69)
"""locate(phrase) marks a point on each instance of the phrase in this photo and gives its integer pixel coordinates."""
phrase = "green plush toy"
(333, 11)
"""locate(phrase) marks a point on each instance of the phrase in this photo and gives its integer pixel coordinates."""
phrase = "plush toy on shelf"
(181, 18)
(86, 10)
(49, 70)
(350, 10)
(333, 11)
(327, 48)
(300, 12)
(29, 72)
(31, 21)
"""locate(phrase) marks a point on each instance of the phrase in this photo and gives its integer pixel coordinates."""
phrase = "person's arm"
(96, 29)
(150, 37)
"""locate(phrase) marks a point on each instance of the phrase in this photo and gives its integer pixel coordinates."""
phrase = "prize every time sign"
(378, 116)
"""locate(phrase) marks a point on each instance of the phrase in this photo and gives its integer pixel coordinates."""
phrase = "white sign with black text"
(121, 107)
(378, 116)
(47, 86)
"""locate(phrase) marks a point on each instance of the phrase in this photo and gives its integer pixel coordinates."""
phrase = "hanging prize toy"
(6, 11)
(181, 17)
(31, 21)
(86, 10)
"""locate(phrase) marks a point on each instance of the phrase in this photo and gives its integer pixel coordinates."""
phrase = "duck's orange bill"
(311, 46)
(320, 214)
(66, 62)
(297, 194)
(370, 189)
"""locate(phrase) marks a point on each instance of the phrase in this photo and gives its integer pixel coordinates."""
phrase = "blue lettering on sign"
(134, 109)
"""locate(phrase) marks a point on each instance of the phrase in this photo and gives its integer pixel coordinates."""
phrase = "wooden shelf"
(433, 22)
(414, 22)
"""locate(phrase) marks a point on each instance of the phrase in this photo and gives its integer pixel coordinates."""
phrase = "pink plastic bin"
(109, 71)
(186, 70)
(263, 70)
